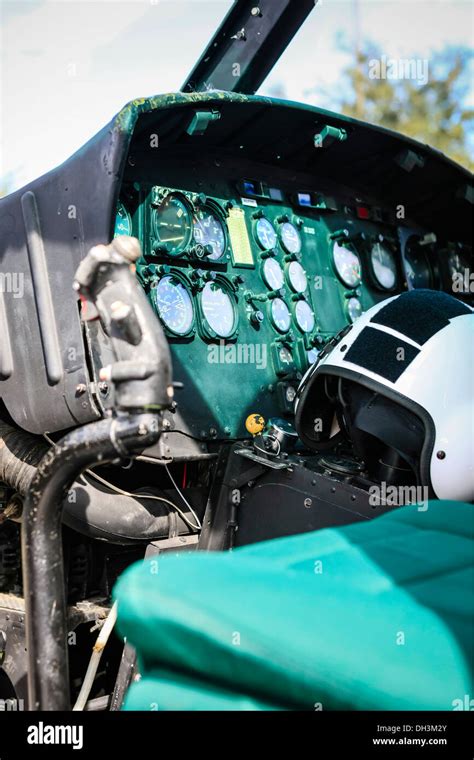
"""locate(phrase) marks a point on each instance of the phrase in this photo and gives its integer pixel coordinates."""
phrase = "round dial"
(173, 304)
(384, 266)
(273, 274)
(304, 316)
(417, 267)
(209, 232)
(265, 234)
(123, 222)
(172, 225)
(312, 355)
(285, 356)
(347, 265)
(281, 316)
(354, 309)
(218, 309)
(297, 277)
(290, 238)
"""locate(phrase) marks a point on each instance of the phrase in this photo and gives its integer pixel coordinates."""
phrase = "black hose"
(89, 509)
(42, 554)
(20, 454)
(99, 513)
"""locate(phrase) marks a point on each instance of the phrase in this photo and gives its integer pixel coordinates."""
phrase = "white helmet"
(398, 385)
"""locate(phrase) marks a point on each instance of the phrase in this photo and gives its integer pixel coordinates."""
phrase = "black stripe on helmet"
(381, 353)
(420, 314)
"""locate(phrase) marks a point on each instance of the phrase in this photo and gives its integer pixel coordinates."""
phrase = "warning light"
(363, 212)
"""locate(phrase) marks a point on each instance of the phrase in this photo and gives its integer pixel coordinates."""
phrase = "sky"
(67, 66)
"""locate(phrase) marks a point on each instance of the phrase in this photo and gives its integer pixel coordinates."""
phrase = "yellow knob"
(254, 424)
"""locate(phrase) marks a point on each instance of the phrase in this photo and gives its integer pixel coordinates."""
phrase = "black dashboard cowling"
(46, 229)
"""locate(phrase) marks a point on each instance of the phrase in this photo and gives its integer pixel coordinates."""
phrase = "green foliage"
(431, 112)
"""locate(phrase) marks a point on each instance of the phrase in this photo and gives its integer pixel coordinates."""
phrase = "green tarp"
(375, 615)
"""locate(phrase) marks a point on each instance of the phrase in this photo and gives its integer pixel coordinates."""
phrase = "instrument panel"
(250, 284)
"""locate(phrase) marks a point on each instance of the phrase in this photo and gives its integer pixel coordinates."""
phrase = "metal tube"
(42, 555)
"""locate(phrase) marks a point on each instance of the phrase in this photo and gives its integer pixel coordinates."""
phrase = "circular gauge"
(208, 231)
(285, 356)
(281, 316)
(312, 355)
(354, 309)
(218, 309)
(297, 277)
(347, 265)
(273, 274)
(123, 221)
(384, 266)
(417, 267)
(290, 238)
(304, 316)
(172, 225)
(173, 304)
(265, 234)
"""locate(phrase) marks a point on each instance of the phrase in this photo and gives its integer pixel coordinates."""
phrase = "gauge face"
(347, 265)
(265, 234)
(209, 231)
(297, 277)
(281, 316)
(304, 316)
(172, 225)
(354, 309)
(123, 222)
(285, 356)
(312, 355)
(417, 268)
(384, 266)
(218, 309)
(290, 237)
(173, 304)
(273, 274)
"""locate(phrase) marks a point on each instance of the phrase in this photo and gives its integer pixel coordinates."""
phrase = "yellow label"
(242, 255)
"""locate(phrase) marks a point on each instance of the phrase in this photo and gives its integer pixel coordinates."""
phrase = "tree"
(432, 112)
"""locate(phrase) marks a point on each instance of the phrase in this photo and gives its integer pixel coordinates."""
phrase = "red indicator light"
(363, 212)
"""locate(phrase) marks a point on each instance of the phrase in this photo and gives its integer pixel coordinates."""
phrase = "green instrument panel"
(248, 292)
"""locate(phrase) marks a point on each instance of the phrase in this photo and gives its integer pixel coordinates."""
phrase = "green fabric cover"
(375, 615)
(159, 690)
